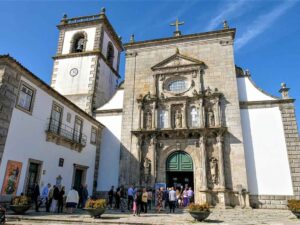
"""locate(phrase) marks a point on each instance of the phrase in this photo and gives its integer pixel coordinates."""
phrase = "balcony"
(62, 134)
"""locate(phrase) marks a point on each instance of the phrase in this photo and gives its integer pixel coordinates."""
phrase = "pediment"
(177, 60)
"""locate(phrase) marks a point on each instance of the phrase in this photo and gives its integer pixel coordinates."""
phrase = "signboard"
(11, 178)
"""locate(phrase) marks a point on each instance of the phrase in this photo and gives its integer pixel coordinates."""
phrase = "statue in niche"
(211, 117)
(80, 45)
(147, 169)
(148, 120)
(213, 164)
(178, 119)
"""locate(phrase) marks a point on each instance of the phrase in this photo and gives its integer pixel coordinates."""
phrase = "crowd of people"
(54, 198)
(140, 200)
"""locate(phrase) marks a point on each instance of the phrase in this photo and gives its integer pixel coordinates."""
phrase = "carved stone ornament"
(178, 119)
(213, 165)
(148, 120)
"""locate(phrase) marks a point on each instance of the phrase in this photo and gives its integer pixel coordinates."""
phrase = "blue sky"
(267, 39)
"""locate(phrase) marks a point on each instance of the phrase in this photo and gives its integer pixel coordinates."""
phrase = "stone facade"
(204, 61)
(9, 85)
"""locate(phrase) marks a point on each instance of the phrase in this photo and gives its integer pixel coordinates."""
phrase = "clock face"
(73, 72)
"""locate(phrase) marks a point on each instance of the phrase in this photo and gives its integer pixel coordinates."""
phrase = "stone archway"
(179, 170)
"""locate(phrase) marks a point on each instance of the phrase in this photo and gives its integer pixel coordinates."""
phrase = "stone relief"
(178, 119)
(213, 165)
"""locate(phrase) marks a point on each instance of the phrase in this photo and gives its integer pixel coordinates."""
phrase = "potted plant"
(95, 207)
(20, 204)
(294, 206)
(199, 211)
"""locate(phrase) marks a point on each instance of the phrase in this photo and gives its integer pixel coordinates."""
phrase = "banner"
(11, 178)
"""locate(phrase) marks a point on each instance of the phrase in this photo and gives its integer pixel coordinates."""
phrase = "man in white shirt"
(172, 199)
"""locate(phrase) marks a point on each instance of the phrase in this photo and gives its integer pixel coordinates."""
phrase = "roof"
(10, 60)
(217, 33)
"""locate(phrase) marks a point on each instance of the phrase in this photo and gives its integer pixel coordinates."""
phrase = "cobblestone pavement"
(222, 217)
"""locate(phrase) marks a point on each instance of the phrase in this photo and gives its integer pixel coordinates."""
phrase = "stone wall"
(9, 84)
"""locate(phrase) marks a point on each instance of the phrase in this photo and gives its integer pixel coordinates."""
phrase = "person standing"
(122, 198)
(190, 195)
(61, 200)
(117, 197)
(172, 200)
(72, 200)
(111, 197)
(185, 197)
(159, 199)
(36, 196)
(138, 194)
(149, 200)
(54, 199)
(80, 196)
(130, 195)
(44, 196)
(144, 200)
(85, 195)
(50, 197)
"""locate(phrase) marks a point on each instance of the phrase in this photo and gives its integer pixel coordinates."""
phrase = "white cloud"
(227, 12)
(262, 23)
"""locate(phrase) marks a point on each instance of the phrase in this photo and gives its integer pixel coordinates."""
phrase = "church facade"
(185, 115)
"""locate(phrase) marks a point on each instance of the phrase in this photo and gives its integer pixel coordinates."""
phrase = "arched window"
(78, 42)
(195, 119)
(110, 53)
(164, 119)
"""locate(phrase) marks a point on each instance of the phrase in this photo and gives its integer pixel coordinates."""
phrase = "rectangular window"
(25, 98)
(77, 129)
(56, 116)
(93, 135)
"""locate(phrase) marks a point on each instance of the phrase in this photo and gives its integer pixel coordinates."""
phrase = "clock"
(74, 72)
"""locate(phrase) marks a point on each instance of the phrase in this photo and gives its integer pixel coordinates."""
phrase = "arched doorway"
(179, 170)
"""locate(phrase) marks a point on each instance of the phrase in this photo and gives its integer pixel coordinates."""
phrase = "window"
(93, 135)
(177, 86)
(69, 117)
(77, 129)
(56, 115)
(110, 54)
(164, 119)
(195, 120)
(78, 42)
(25, 98)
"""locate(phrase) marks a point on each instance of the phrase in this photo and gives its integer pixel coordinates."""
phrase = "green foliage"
(294, 205)
(199, 207)
(95, 204)
(21, 200)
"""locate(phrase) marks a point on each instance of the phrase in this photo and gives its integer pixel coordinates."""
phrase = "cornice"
(168, 40)
(265, 103)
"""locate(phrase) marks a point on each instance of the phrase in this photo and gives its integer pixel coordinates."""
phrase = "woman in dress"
(159, 198)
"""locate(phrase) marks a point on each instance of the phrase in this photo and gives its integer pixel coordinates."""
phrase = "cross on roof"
(177, 24)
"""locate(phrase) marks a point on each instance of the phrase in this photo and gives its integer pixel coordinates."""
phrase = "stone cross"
(177, 24)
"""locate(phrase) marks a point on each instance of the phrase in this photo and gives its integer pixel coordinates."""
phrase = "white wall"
(110, 144)
(248, 92)
(267, 162)
(91, 32)
(27, 139)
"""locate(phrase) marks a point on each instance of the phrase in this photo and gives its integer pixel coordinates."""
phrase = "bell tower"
(87, 61)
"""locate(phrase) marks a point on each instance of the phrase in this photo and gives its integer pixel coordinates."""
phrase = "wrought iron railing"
(66, 131)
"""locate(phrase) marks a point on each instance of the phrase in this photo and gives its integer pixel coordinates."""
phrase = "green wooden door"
(180, 161)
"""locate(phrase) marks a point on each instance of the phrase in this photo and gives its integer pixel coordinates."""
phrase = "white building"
(48, 139)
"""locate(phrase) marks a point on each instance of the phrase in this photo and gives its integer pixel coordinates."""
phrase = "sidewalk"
(222, 217)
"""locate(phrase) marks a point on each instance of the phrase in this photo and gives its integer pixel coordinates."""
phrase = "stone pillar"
(203, 163)
(154, 115)
(184, 116)
(217, 112)
(140, 116)
(220, 139)
(201, 113)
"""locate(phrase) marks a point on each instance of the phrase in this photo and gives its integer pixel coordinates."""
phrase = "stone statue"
(213, 163)
(178, 119)
(211, 118)
(148, 120)
(147, 169)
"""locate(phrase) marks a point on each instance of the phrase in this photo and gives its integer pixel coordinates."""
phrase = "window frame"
(96, 134)
(28, 86)
(77, 118)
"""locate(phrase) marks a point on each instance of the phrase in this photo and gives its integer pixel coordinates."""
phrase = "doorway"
(79, 176)
(179, 170)
(33, 175)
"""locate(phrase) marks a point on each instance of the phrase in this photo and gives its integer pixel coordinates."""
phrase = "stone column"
(203, 163)
(140, 116)
(154, 113)
(217, 111)
(220, 139)
(184, 116)
(201, 113)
